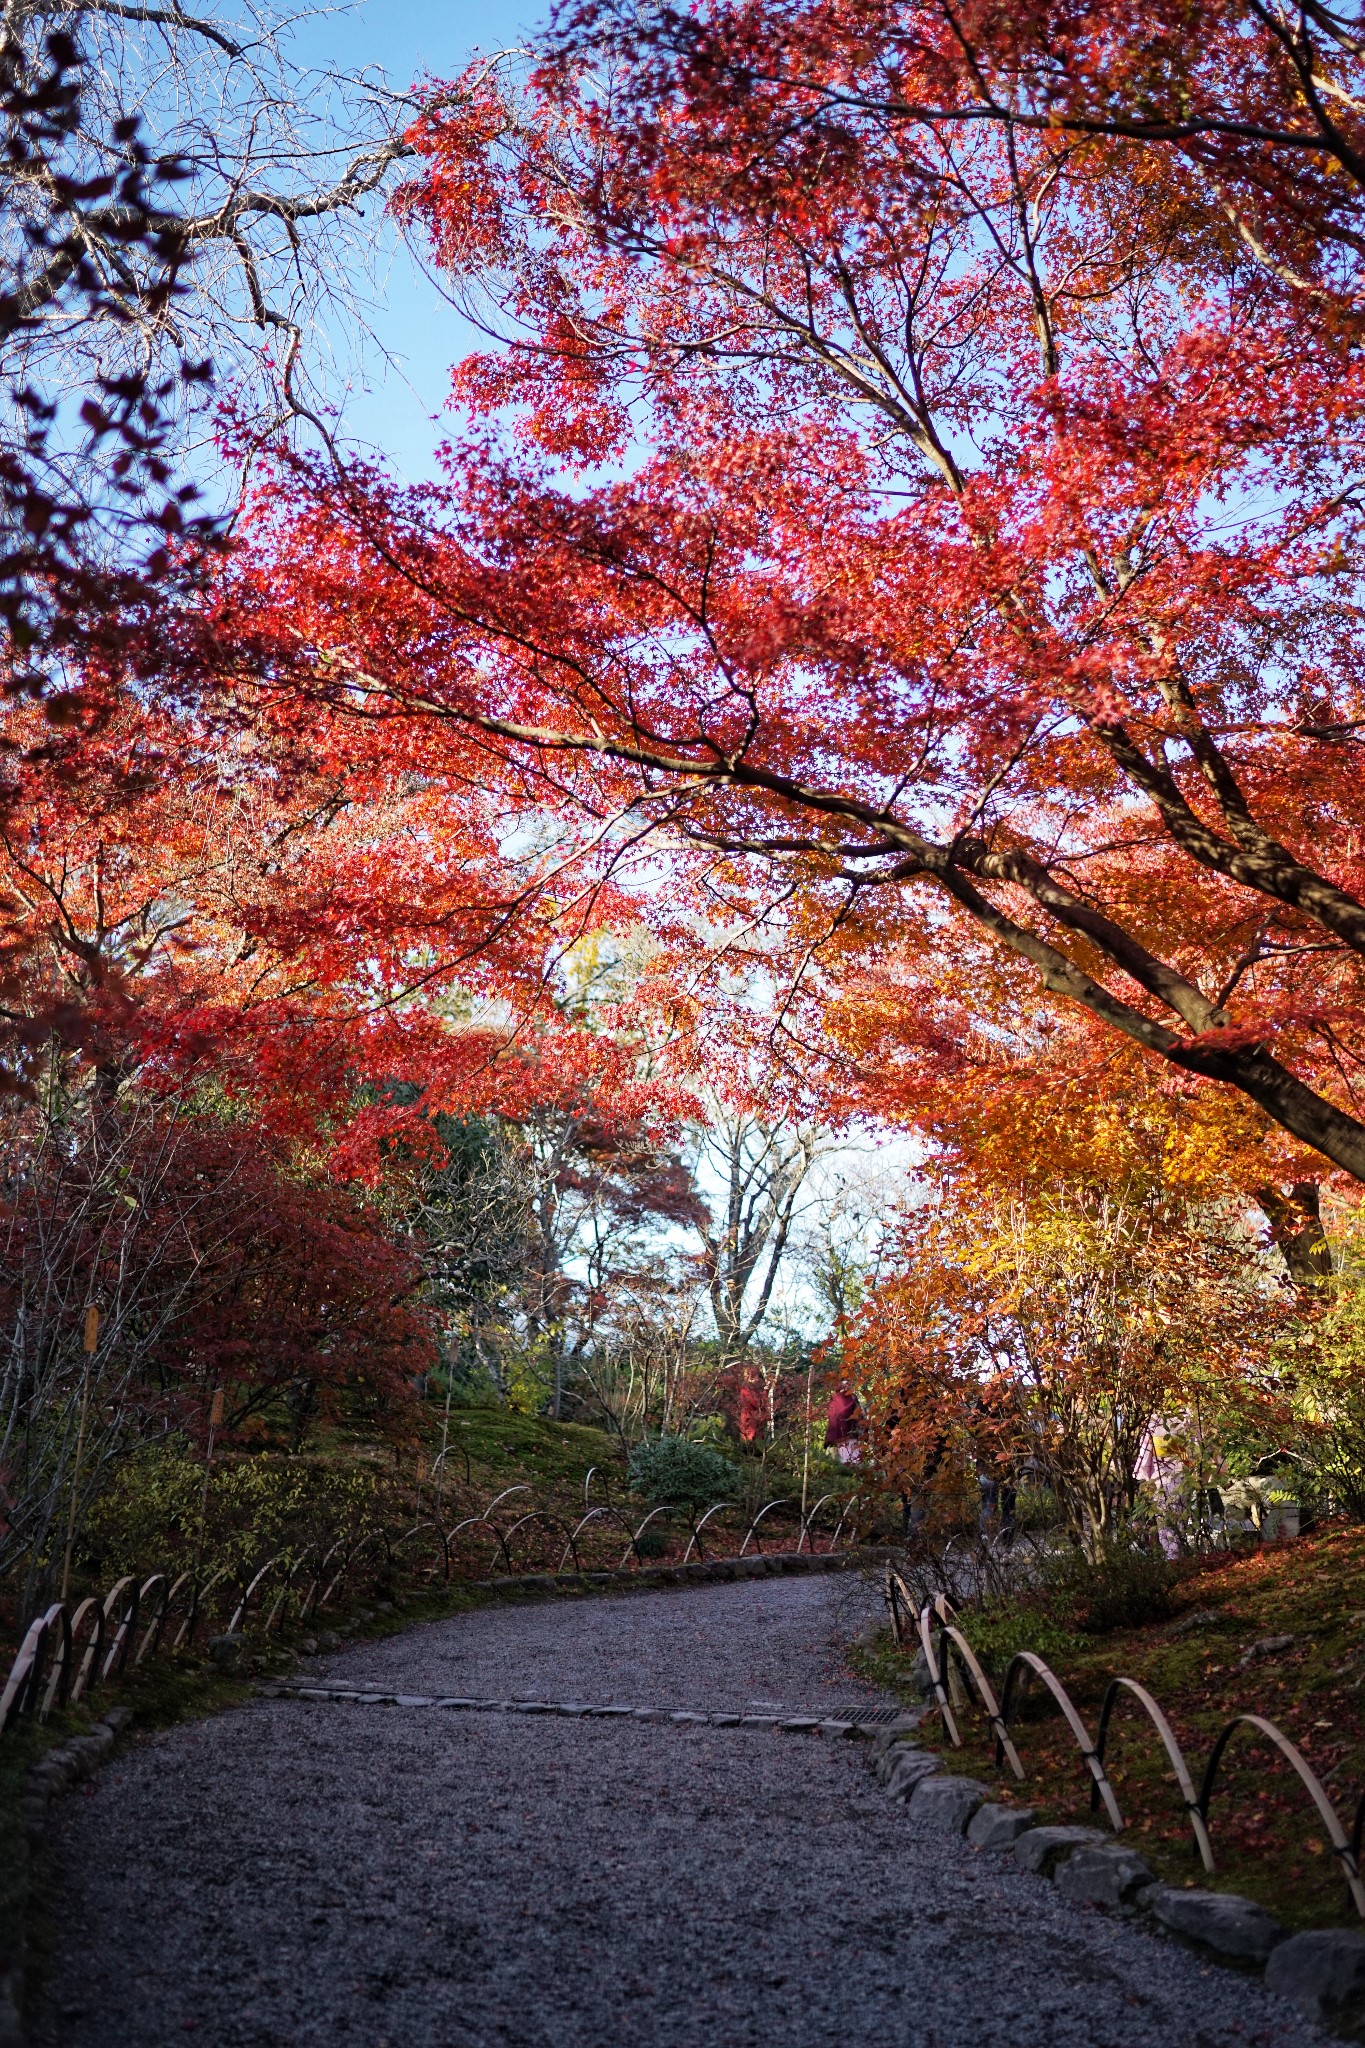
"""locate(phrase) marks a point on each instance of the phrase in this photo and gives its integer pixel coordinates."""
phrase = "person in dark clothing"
(999, 1495)
(915, 1508)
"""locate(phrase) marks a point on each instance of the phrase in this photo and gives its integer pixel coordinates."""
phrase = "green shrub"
(653, 1541)
(999, 1629)
(148, 1516)
(1037, 1507)
(1121, 1588)
(707, 1429)
(674, 1472)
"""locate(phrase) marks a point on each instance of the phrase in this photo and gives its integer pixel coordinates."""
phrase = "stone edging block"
(940, 1805)
(999, 1827)
(1236, 1929)
(1109, 1874)
(1322, 1971)
(910, 1769)
(1042, 1849)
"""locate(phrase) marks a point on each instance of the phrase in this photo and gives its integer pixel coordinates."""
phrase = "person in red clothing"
(844, 1426)
(753, 1414)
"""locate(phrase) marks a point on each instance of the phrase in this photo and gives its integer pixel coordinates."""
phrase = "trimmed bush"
(1121, 1588)
(674, 1472)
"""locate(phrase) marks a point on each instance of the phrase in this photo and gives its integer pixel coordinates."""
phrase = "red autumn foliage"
(213, 1263)
(974, 612)
(299, 936)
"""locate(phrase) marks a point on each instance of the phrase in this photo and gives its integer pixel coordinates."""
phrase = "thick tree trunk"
(1296, 1226)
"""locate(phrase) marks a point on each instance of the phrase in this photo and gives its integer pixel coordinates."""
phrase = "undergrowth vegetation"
(1201, 1662)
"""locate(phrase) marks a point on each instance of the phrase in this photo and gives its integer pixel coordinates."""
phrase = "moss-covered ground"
(1268, 1842)
(491, 1448)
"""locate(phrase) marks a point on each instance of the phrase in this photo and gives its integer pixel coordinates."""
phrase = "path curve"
(300, 1873)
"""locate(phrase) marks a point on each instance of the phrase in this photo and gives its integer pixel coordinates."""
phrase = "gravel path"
(316, 1873)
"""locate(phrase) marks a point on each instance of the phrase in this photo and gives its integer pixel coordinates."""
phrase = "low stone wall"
(713, 1571)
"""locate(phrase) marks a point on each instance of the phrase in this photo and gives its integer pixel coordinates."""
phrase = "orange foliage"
(1046, 1335)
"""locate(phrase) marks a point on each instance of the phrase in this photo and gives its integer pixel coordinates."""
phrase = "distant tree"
(758, 1165)
(1051, 1335)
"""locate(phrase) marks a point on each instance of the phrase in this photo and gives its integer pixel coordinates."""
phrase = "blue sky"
(390, 407)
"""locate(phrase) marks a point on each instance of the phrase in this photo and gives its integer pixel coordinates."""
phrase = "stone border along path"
(292, 1873)
(850, 1721)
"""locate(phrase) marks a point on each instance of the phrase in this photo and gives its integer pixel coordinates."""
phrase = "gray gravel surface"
(298, 1873)
(775, 1641)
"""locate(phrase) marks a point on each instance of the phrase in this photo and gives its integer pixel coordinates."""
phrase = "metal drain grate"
(868, 1717)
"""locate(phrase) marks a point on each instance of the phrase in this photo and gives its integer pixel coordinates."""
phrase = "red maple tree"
(976, 587)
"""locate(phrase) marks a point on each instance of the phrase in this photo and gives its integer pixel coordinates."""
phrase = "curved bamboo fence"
(76, 1646)
(953, 1666)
